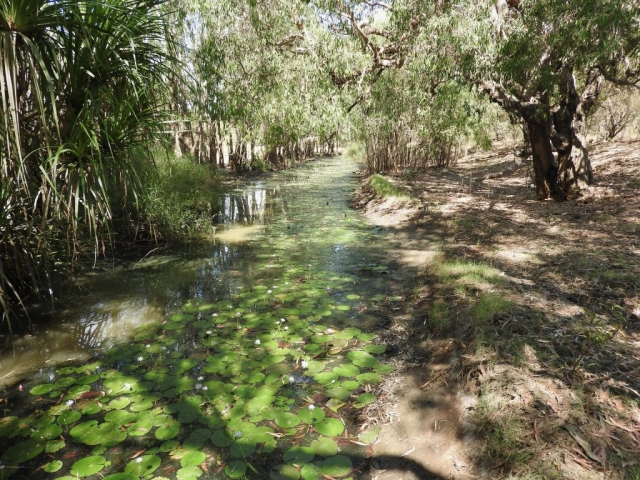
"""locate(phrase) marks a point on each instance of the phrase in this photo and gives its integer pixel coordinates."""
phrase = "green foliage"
(384, 188)
(180, 199)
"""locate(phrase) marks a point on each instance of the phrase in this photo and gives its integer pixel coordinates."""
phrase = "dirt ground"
(520, 346)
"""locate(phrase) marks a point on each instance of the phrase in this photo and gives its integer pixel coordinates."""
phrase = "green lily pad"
(311, 416)
(120, 417)
(365, 399)
(242, 448)
(362, 358)
(350, 384)
(347, 370)
(53, 466)
(120, 476)
(168, 431)
(324, 447)
(372, 378)
(8, 425)
(42, 389)
(91, 408)
(314, 367)
(54, 446)
(88, 466)
(298, 455)
(68, 417)
(369, 435)
(23, 451)
(330, 427)
(383, 368)
(310, 472)
(284, 472)
(286, 420)
(325, 378)
(375, 348)
(221, 438)
(367, 337)
(87, 379)
(64, 382)
(47, 433)
(236, 469)
(338, 393)
(92, 433)
(143, 466)
(338, 466)
(189, 473)
(192, 459)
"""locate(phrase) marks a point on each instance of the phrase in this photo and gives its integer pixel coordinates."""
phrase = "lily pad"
(53, 466)
(68, 417)
(23, 451)
(54, 446)
(168, 431)
(338, 393)
(47, 433)
(347, 370)
(369, 435)
(311, 416)
(220, 438)
(42, 389)
(330, 427)
(310, 472)
(236, 469)
(189, 473)
(298, 455)
(324, 447)
(286, 419)
(192, 459)
(88, 466)
(372, 378)
(361, 358)
(284, 472)
(143, 466)
(338, 466)
(121, 476)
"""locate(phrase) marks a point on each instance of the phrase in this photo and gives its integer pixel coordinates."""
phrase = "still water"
(292, 219)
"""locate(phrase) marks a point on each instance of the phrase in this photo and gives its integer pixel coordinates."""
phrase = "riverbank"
(523, 323)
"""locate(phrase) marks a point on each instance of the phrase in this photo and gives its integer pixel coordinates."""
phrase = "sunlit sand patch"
(418, 258)
(239, 234)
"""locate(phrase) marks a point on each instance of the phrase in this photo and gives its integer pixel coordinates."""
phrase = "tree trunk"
(544, 164)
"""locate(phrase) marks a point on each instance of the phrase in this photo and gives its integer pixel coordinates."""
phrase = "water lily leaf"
(369, 435)
(314, 367)
(8, 425)
(189, 473)
(88, 466)
(54, 446)
(383, 369)
(330, 427)
(92, 408)
(350, 384)
(376, 349)
(119, 403)
(321, 338)
(343, 308)
(310, 472)
(324, 447)
(367, 337)
(284, 472)
(353, 296)
(87, 379)
(197, 439)
(192, 459)
(299, 454)
(120, 476)
(47, 433)
(98, 450)
(311, 416)
(143, 466)
(64, 382)
(286, 419)
(347, 370)
(169, 430)
(53, 466)
(365, 399)
(236, 469)
(242, 448)
(338, 393)
(169, 446)
(42, 389)
(44, 420)
(67, 370)
(362, 358)
(348, 333)
(371, 378)
(221, 438)
(325, 378)
(23, 451)
(337, 466)
(68, 417)
(259, 434)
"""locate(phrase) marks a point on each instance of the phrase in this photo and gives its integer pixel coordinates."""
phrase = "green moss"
(384, 188)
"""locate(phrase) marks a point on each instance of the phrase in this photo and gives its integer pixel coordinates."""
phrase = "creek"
(254, 353)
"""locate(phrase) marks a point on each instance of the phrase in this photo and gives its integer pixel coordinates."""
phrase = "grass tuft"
(384, 188)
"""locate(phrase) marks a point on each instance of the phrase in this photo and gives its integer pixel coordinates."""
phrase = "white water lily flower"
(268, 292)
(286, 328)
(209, 332)
(139, 460)
(70, 402)
(237, 434)
(312, 407)
(140, 359)
(304, 364)
(148, 346)
(200, 378)
(205, 388)
(198, 386)
(292, 379)
(282, 320)
(257, 342)
(127, 386)
(214, 314)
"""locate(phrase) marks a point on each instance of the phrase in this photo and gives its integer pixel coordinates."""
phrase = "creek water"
(288, 252)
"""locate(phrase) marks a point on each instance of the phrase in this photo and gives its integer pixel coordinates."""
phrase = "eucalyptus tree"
(79, 90)
(542, 61)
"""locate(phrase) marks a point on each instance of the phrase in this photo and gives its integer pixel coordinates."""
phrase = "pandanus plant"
(80, 88)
